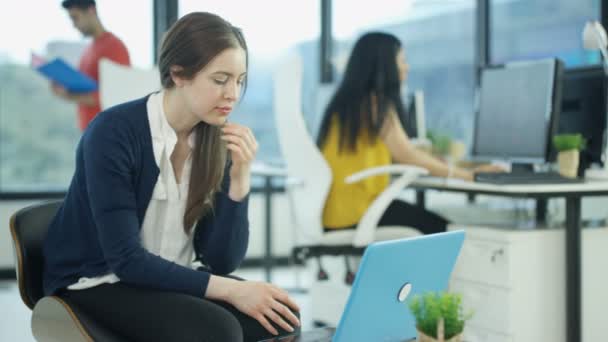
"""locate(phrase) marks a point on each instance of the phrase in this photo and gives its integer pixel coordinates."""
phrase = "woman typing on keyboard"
(361, 129)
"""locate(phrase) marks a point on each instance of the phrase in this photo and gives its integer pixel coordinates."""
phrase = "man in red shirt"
(83, 14)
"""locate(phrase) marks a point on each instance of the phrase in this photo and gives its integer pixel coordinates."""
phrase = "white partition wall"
(119, 83)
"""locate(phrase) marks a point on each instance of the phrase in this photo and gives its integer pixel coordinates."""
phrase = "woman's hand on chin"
(242, 146)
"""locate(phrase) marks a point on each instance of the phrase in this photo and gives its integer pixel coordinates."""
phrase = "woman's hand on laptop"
(264, 302)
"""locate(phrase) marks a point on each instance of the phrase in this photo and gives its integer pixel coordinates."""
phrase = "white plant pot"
(422, 337)
(568, 163)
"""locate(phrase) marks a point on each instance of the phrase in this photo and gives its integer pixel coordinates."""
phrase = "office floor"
(15, 316)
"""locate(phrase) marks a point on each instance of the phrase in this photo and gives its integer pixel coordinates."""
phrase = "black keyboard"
(524, 178)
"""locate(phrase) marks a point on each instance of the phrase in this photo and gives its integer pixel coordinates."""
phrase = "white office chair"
(119, 83)
(306, 164)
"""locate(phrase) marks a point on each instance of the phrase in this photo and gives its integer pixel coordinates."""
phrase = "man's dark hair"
(81, 4)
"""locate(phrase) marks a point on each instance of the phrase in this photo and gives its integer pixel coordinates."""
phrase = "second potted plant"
(439, 316)
(568, 147)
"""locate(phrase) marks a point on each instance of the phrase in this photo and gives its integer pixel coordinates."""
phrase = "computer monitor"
(584, 111)
(519, 106)
(414, 121)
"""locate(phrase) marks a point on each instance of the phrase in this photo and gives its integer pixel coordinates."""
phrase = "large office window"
(438, 39)
(38, 132)
(290, 26)
(530, 29)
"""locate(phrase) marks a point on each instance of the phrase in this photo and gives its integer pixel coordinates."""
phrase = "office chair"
(306, 164)
(53, 318)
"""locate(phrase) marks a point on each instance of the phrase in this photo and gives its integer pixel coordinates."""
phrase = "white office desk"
(589, 188)
(262, 169)
(573, 193)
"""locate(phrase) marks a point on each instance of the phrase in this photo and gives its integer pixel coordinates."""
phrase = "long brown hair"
(191, 43)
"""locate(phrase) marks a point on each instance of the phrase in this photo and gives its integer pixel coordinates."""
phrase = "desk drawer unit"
(514, 283)
(473, 333)
(490, 305)
(491, 261)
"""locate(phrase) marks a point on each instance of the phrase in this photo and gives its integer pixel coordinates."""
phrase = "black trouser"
(147, 315)
(400, 213)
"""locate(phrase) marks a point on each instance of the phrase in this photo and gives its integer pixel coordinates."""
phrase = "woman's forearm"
(225, 234)
(435, 166)
(240, 184)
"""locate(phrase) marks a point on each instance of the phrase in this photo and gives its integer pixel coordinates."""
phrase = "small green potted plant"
(568, 147)
(439, 316)
(440, 143)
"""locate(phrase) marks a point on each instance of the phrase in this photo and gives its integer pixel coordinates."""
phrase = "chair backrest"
(119, 83)
(300, 152)
(28, 230)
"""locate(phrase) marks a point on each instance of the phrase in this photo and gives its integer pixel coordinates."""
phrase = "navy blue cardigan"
(96, 230)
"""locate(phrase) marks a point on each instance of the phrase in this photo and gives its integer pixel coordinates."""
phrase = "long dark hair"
(369, 87)
(191, 43)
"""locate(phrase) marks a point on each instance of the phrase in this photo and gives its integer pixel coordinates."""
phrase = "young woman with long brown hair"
(161, 182)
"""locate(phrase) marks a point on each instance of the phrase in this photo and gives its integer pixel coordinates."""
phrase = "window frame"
(166, 12)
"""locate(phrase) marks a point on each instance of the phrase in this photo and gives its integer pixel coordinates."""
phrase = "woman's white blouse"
(162, 232)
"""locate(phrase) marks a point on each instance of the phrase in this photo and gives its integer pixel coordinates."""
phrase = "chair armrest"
(390, 169)
(366, 228)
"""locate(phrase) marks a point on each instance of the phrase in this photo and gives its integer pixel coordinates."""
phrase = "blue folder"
(73, 80)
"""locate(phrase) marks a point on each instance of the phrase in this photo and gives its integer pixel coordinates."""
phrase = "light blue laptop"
(389, 275)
